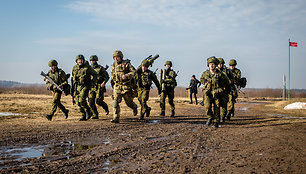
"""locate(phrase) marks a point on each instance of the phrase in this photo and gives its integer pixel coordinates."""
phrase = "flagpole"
(289, 73)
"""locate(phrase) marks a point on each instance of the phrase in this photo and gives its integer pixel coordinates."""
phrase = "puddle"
(250, 103)
(243, 109)
(286, 116)
(11, 114)
(124, 134)
(154, 121)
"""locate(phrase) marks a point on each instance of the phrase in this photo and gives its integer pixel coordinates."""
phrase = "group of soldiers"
(88, 82)
(220, 87)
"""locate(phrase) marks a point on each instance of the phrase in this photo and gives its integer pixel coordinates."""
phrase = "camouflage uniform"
(96, 94)
(225, 95)
(144, 82)
(214, 86)
(234, 91)
(84, 76)
(170, 84)
(122, 88)
(60, 78)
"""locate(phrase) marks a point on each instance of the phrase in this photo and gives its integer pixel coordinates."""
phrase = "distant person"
(225, 95)
(60, 78)
(144, 82)
(234, 90)
(193, 88)
(215, 82)
(123, 79)
(168, 84)
(84, 78)
(96, 93)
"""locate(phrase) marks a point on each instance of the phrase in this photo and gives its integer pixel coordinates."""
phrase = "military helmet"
(145, 63)
(221, 60)
(52, 63)
(93, 57)
(80, 56)
(168, 62)
(212, 59)
(118, 53)
(232, 62)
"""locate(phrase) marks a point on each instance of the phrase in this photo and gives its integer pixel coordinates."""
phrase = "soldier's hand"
(123, 77)
(103, 85)
(47, 81)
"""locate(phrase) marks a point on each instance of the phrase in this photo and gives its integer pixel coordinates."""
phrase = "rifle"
(73, 90)
(151, 59)
(106, 67)
(51, 81)
(162, 77)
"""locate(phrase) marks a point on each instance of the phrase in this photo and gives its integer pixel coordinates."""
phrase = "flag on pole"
(293, 44)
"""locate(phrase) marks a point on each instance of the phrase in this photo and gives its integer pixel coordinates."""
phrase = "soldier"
(144, 82)
(234, 92)
(193, 87)
(123, 80)
(170, 84)
(84, 78)
(96, 94)
(215, 82)
(224, 101)
(60, 78)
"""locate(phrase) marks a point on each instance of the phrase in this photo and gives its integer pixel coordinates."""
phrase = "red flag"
(293, 44)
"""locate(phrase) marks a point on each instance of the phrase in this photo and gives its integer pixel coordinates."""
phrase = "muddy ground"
(257, 140)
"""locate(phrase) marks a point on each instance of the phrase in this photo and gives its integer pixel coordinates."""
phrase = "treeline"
(179, 91)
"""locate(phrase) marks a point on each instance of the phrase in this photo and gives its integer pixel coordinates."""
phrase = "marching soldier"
(169, 83)
(123, 80)
(224, 101)
(84, 78)
(60, 78)
(215, 82)
(193, 87)
(234, 92)
(144, 82)
(96, 94)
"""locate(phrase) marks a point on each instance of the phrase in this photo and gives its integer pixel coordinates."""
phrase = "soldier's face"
(212, 66)
(232, 67)
(93, 62)
(117, 59)
(53, 68)
(80, 61)
(220, 65)
(168, 66)
(144, 68)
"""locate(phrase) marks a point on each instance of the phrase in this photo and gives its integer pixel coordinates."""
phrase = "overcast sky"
(187, 32)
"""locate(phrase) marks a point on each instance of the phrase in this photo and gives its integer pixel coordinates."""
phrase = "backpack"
(242, 82)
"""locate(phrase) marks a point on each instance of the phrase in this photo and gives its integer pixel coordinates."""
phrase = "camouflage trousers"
(212, 107)
(231, 102)
(223, 105)
(96, 97)
(143, 97)
(117, 98)
(81, 96)
(56, 102)
(163, 95)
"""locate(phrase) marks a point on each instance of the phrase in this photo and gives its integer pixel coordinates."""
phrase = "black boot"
(135, 111)
(162, 113)
(83, 117)
(115, 120)
(148, 112)
(141, 117)
(106, 111)
(95, 117)
(172, 113)
(66, 113)
(49, 116)
(209, 121)
(216, 125)
(88, 115)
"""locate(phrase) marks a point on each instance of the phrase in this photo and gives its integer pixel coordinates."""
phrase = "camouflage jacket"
(237, 75)
(119, 69)
(84, 75)
(59, 77)
(230, 76)
(102, 77)
(170, 81)
(214, 84)
(144, 79)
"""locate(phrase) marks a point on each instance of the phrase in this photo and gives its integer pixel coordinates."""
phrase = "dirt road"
(256, 140)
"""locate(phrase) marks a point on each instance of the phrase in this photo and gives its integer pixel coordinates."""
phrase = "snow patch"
(296, 105)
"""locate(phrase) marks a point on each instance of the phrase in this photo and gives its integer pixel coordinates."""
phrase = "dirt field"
(261, 138)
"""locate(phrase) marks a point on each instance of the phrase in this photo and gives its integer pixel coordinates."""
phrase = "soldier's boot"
(66, 113)
(196, 101)
(148, 112)
(115, 120)
(135, 111)
(95, 117)
(172, 113)
(209, 121)
(83, 117)
(222, 119)
(88, 115)
(162, 113)
(141, 116)
(106, 111)
(216, 125)
(49, 116)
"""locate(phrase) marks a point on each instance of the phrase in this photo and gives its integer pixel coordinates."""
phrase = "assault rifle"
(51, 81)
(151, 59)
(73, 90)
